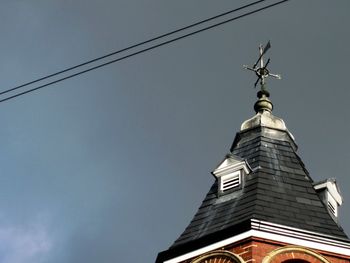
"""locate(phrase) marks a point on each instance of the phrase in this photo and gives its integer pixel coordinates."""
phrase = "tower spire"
(263, 206)
(263, 103)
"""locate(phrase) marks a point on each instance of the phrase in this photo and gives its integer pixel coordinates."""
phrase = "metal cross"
(262, 72)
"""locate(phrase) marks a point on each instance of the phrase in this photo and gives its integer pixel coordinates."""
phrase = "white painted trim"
(303, 243)
(299, 233)
(210, 247)
(279, 233)
(331, 187)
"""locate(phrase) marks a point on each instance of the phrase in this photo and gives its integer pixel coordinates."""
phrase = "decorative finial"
(262, 72)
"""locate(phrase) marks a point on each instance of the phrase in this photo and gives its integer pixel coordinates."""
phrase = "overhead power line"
(132, 46)
(140, 51)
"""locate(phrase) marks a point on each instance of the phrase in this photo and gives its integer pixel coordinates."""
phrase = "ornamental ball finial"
(263, 103)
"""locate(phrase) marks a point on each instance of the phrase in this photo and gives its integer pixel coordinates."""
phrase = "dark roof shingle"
(279, 190)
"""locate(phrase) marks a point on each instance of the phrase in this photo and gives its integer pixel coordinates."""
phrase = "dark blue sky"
(111, 166)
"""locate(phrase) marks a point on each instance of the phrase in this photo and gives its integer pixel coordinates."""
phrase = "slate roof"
(279, 190)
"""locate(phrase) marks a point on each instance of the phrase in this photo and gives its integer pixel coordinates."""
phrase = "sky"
(111, 166)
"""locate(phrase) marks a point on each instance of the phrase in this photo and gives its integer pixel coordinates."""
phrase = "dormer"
(230, 173)
(329, 193)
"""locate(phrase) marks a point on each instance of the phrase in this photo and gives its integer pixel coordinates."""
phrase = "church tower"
(263, 206)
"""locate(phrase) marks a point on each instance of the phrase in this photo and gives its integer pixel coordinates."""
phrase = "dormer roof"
(230, 163)
(331, 186)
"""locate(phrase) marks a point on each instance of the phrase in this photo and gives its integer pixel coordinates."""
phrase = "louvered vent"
(332, 206)
(230, 174)
(231, 181)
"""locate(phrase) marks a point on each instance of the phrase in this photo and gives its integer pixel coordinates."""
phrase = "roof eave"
(203, 241)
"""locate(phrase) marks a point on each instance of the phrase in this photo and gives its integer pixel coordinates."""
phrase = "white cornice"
(210, 247)
(301, 237)
(279, 233)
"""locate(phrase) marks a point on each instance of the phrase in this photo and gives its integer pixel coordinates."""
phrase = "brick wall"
(255, 250)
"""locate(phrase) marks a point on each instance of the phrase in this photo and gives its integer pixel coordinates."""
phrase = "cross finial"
(262, 72)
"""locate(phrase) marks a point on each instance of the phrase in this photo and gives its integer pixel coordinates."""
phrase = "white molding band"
(210, 247)
(296, 233)
(279, 233)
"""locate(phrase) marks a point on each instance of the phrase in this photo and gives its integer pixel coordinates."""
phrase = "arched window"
(218, 256)
(294, 254)
(295, 261)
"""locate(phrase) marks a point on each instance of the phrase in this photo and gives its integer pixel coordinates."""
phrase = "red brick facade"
(255, 250)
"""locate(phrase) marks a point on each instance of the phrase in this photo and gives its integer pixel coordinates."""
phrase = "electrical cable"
(127, 56)
(131, 47)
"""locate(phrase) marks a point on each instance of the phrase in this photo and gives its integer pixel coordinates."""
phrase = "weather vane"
(262, 72)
